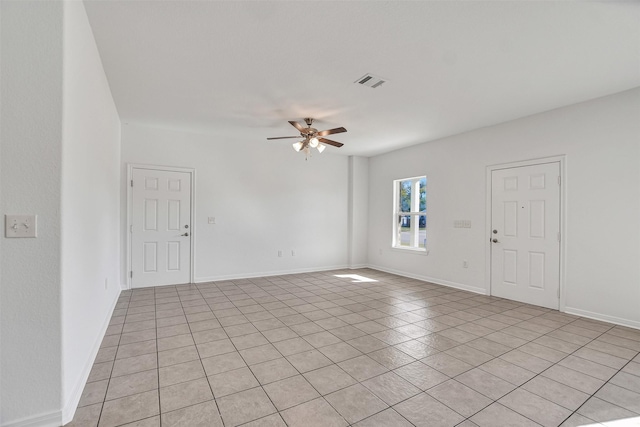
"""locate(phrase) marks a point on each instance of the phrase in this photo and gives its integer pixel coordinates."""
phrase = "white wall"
(90, 204)
(31, 131)
(358, 210)
(265, 197)
(601, 141)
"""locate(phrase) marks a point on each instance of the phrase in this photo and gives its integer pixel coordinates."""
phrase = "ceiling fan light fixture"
(321, 147)
(297, 145)
(313, 142)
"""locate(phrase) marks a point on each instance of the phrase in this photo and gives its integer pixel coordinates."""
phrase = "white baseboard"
(268, 273)
(442, 282)
(50, 419)
(602, 317)
(357, 266)
(69, 409)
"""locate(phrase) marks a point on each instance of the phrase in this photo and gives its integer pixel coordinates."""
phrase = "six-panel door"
(161, 228)
(525, 247)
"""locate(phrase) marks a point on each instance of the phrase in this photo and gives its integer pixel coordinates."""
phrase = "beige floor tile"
(177, 355)
(181, 372)
(274, 420)
(292, 346)
(556, 392)
(588, 367)
(425, 411)
(129, 409)
(249, 405)
(446, 364)
(463, 349)
(86, 416)
(340, 351)
(602, 411)
(290, 392)
(420, 375)
(536, 408)
(135, 364)
(231, 382)
(507, 371)
(329, 379)
(308, 360)
(355, 403)
(273, 370)
(619, 396)
(175, 342)
(386, 418)
(579, 381)
(200, 415)
(215, 348)
(459, 397)
(209, 335)
(526, 361)
(222, 363)
(391, 388)
(488, 416)
(136, 349)
(93, 393)
(485, 383)
(316, 413)
(184, 394)
(128, 385)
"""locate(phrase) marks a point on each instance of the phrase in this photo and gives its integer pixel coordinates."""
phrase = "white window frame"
(414, 244)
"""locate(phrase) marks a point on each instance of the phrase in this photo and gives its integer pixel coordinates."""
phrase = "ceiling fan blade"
(284, 137)
(296, 125)
(331, 131)
(330, 142)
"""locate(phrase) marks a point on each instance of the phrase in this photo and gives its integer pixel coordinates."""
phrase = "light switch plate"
(20, 225)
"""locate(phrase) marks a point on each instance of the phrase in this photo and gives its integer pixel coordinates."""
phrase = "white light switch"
(211, 220)
(20, 225)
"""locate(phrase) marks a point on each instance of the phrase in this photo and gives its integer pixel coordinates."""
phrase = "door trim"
(562, 159)
(192, 178)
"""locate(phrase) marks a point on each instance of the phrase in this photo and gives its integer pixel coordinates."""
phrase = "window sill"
(423, 252)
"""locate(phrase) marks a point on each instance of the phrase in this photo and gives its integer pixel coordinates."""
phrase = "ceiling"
(238, 70)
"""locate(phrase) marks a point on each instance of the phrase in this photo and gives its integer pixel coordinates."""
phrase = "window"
(410, 213)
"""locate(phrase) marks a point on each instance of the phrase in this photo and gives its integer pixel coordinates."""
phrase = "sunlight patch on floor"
(356, 278)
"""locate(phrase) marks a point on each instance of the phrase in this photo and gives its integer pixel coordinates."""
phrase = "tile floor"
(317, 349)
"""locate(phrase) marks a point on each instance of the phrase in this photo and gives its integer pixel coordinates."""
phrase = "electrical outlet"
(280, 254)
(293, 252)
(465, 264)
(20, 225)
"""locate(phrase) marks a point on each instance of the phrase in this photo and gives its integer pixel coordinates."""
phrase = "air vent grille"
(371, 81)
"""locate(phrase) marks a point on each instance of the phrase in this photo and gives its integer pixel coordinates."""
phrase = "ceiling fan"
(311, 137)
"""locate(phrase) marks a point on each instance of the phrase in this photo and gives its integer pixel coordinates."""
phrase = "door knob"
(185, 234)
(495, 240)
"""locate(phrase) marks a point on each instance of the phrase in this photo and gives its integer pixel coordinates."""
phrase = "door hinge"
(132, 183)
(558, 292)
(131, 274)
(558, 236)
(559, 180)
(131, 229)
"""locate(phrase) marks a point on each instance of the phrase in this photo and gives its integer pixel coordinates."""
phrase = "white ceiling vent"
(371, 81)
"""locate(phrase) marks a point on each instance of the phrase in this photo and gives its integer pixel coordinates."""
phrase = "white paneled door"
(525, 234)
(160, 228)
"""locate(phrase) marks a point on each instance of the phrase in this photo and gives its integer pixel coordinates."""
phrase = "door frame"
(562, 160)
(129, 249)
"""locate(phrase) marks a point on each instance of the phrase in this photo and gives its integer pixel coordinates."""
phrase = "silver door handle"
(185, 234)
